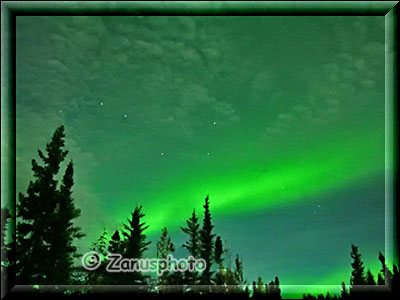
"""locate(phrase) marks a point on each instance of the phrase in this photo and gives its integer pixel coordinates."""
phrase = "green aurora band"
(326, 167)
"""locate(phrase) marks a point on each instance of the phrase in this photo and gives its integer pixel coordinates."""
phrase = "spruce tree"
(277, 288)
(206, 250)
(64, 232)
(370, 278)
(219, 250)
(192, 230)
(357, 275)
(135, 243)
(238, 271)
(380, 280)
(344, 293)
(192, 245)
(164, 247)
(386, 274)
(100, 246)
(45, 215)
(260, 289)
(115, 246)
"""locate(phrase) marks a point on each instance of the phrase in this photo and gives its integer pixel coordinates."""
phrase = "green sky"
(279, 119)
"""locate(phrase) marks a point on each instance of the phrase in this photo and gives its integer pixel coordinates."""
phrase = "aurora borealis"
(280, 120)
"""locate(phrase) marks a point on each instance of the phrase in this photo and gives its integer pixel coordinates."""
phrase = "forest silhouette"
(42, 251)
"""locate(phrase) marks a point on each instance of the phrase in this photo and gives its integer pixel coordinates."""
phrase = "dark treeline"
(42, 251)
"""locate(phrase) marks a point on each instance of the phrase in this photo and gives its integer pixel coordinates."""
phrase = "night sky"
(279, 119)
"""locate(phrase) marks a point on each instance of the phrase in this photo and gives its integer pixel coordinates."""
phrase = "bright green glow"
(328, 165)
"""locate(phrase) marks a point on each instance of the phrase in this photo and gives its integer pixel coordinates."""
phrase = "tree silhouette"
(114, 247)
(165, 247)
(370, 278)
(100, 246)
(380, 279)
(386, 274)
(206, 238)
(218, 252)
(115, 244)
(192, 230)
(396, 281)
(260, 288)
(344, 293)
(45, 215)
(135, 243)
(192, 245)
(64, 232)
(357, 275)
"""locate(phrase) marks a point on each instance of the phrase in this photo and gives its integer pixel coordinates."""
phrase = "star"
(60, 110)
(208, 153)
(101, 103)
(162, 153)
(125, 116)
(214, 123)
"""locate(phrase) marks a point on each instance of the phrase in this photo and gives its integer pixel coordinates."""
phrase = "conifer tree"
(45, 215)
(344, 293)
(260, 289)
(164, 247)
(192, 230)
(135, 243)
(100, 246)
(370, 278)
(277, 288)
(64, 232)
(114, 247)
(357, 275)
(218, 251)
(115, 243)
(255, 295)
(380, 279)
(219, 276)
(386, 274)
(274, 289)
(238, 272)
(192, 245)
(206, 238)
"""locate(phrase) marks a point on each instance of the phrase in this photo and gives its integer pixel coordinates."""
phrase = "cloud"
(346, 83)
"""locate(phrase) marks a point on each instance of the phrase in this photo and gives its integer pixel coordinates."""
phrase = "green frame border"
(11, 9)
